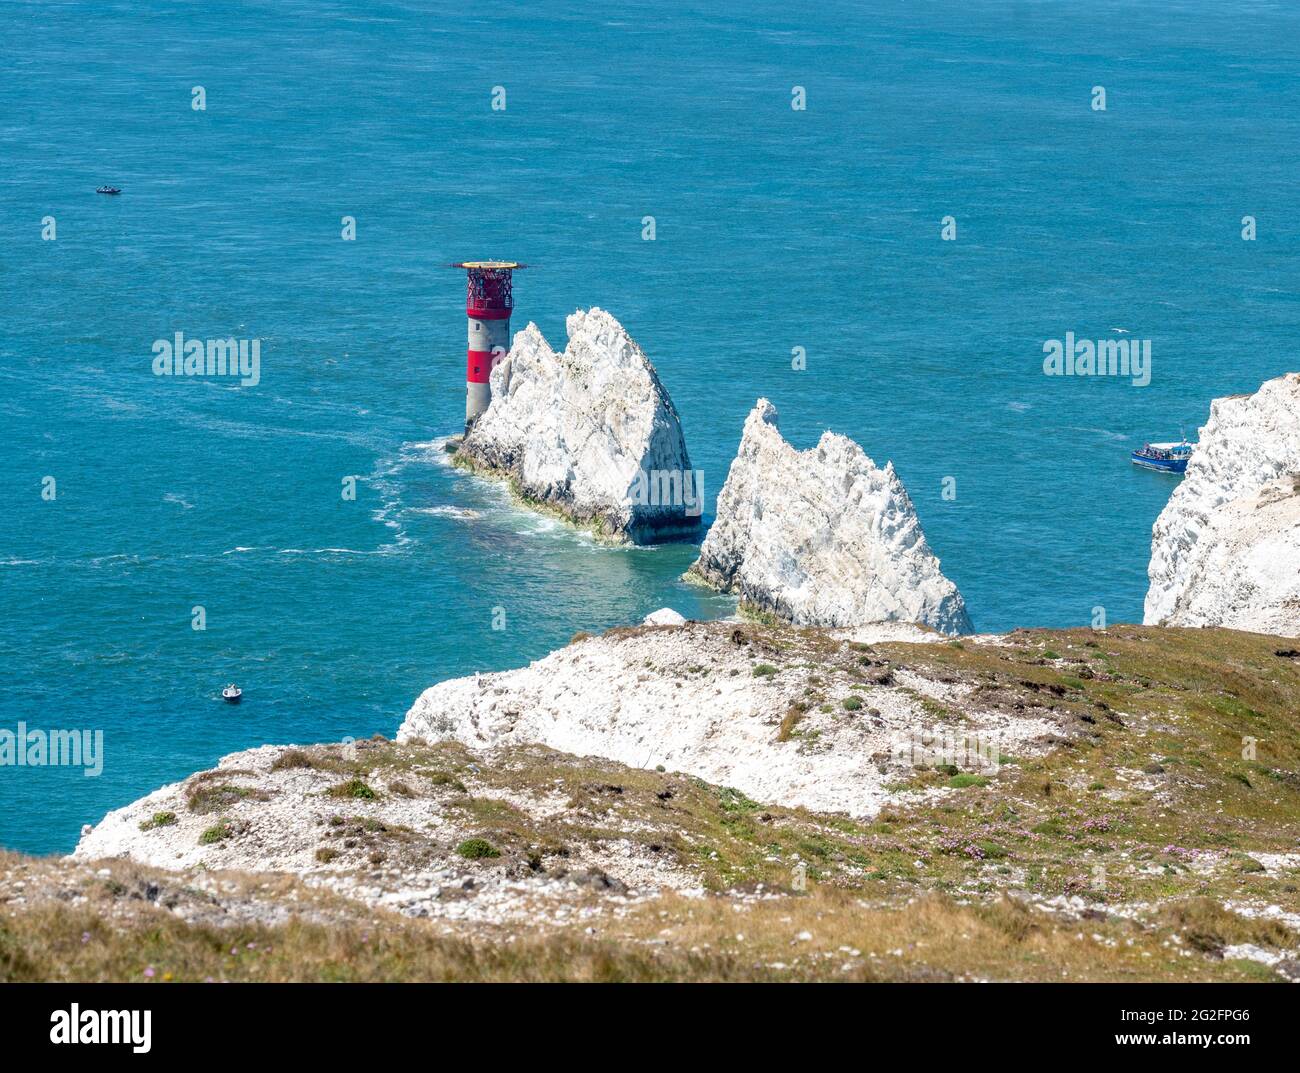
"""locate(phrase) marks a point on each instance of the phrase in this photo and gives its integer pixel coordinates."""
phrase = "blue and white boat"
(1165, 457)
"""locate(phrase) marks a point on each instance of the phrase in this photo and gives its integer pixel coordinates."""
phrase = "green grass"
(293, 758)
(355, 788)
(218, 832)
(444, 778)
(217, 797)
(756, 614)
(1186, 697)
(476, 849)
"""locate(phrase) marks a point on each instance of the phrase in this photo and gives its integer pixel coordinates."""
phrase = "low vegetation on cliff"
(1151, 837)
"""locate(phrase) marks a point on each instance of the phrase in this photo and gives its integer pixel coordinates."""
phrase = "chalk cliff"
(719, 700)
(590, 432)
(1244, 570)
(823, 537)
(746, 706)
(1225, 551)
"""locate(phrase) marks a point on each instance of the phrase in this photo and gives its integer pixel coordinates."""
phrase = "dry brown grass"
(823, 935)
(791, 719)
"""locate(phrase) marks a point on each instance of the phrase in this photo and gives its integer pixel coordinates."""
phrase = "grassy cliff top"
(1155, 839)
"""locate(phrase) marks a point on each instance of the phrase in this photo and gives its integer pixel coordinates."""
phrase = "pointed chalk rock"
(590, 432)
(823, 537)
(1225, 551)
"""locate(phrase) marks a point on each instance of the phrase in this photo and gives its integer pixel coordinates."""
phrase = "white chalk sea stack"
(1225, 551)
(823, 537)
(590, 432)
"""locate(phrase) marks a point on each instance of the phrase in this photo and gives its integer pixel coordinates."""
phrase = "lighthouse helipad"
(488, 302)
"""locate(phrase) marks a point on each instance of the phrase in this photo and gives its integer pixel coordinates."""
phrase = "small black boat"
(108, 190)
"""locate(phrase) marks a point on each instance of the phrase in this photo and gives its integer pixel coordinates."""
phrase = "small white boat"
(232, 694)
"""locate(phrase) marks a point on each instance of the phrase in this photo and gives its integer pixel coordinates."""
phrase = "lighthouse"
(488, 302)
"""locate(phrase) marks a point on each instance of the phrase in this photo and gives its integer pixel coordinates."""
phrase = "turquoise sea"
(775, 228)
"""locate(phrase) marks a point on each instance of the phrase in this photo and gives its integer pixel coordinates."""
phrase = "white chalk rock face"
(590, 432)
(1224, 549)
(1244, 570)
(823, 537)
(688, 698)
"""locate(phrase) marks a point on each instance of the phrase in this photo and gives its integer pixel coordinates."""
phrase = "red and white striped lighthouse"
(488, 302)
